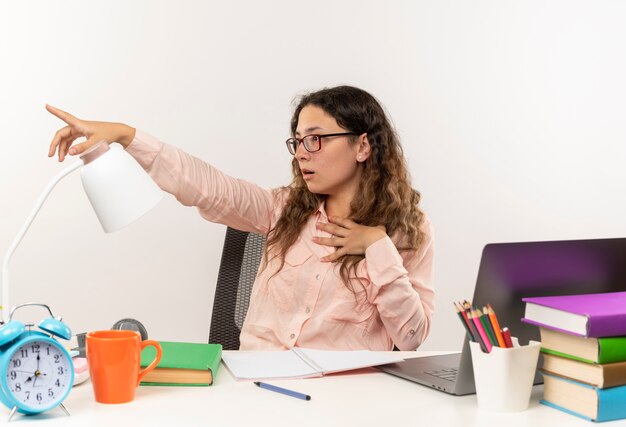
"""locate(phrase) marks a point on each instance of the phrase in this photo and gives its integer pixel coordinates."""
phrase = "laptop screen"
(511, 271)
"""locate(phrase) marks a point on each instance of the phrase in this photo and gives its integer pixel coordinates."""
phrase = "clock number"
(24, 352)
(18, 387)
(48, 351)
(13, 375)
(27, 394)
(35, 348)
(57, 383)
(50, 393)
(17, 363)
(39, 397)
(60, 370)
(56, 358)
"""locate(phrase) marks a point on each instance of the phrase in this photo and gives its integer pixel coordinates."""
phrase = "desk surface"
(363, 398)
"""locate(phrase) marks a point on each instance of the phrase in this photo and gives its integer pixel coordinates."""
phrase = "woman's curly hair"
(385, 197)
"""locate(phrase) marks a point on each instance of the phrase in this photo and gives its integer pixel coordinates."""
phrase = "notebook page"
(263, 365)
(336, 361)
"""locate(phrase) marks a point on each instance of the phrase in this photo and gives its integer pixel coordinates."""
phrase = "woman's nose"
(301, 152)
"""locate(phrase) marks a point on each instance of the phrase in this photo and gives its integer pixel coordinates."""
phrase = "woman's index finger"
(66, 117)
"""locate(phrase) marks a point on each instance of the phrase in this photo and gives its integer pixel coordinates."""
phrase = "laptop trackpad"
(417, 367)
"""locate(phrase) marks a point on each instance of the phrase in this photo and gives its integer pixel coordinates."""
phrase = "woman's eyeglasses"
(311, 143)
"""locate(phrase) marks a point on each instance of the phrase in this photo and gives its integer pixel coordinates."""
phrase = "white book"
(301, 362)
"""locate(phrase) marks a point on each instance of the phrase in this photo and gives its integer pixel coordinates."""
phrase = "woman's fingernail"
(72, 151)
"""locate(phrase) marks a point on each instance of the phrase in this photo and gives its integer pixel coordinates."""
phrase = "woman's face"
(333, 170)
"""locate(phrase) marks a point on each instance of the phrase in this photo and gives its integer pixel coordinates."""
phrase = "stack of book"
(583, 341)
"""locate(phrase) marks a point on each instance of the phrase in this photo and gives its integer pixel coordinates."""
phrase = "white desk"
(366, 398)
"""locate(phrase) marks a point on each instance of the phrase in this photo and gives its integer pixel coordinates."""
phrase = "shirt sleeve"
(218, 197)
(402, 288)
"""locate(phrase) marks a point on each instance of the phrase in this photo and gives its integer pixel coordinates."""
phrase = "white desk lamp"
(119, 190)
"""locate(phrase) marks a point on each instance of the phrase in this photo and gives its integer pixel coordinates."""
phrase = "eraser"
(81, 370)
(80, 365)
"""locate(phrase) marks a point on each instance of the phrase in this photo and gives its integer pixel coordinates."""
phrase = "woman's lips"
(307, 173)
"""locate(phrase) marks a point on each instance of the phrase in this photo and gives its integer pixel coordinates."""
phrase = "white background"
(512, 115)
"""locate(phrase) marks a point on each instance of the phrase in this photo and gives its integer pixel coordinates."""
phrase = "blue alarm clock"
(36, 371)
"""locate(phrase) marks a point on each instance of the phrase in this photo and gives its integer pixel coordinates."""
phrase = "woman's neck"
(337, 206)
(339, 202)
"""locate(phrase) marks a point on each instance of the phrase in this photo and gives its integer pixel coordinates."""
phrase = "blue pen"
(283, 391)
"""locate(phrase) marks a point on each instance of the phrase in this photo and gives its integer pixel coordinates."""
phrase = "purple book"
(589, 315)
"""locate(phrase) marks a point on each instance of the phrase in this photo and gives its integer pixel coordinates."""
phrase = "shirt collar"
(321, 212)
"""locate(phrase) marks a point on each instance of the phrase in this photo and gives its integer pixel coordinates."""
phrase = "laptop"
(509, 272)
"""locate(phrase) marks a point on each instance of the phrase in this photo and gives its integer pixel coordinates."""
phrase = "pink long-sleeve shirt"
(306, 303)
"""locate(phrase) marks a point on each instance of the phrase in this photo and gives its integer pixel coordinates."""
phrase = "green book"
(182, 364)
(589, 350)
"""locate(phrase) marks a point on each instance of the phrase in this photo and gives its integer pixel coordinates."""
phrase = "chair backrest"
(241, 257)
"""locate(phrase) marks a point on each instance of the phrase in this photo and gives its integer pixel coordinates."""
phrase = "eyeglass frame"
(301, 141)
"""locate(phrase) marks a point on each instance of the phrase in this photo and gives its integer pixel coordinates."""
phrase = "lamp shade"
(119, 190)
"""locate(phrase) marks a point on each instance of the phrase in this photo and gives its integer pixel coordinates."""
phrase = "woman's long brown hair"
(385, 197)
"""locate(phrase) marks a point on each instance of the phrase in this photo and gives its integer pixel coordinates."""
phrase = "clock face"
(39, 374)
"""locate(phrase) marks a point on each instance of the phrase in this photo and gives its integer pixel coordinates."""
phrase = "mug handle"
(154, 363)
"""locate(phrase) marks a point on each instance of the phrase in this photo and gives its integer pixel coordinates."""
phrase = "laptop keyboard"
(445, 373)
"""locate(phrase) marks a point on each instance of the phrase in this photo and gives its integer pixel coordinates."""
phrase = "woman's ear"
(364, 149)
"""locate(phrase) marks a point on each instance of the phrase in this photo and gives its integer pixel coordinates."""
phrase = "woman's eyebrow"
(309, 130)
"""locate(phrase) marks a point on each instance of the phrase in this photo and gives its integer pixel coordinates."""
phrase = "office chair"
(241, 257)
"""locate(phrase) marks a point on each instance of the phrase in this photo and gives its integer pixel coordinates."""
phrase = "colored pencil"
(481, 330)
(506, 334)
(472, 326)
(496, 326)
(461, 313)
(479, 340)
(487, 326)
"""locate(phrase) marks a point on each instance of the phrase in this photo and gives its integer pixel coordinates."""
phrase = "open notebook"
(300, 362)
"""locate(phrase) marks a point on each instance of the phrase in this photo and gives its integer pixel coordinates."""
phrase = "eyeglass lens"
(311, 143)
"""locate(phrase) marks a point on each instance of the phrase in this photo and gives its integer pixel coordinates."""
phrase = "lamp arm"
(4, 284)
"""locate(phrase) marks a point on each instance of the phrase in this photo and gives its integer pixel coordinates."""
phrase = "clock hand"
(27, 372)
(37, 371)
(37, 375)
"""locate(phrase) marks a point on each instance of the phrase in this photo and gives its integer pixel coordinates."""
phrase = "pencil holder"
(504, 377)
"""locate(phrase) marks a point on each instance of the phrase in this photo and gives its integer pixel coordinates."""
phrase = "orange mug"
(113, 358)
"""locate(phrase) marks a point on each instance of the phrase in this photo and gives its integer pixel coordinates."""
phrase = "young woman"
(349, 255)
